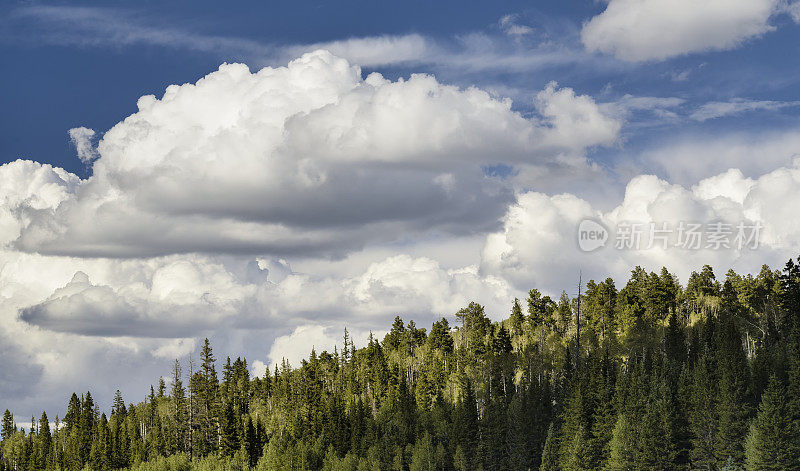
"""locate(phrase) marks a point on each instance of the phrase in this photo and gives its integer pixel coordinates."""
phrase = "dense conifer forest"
(651, 376)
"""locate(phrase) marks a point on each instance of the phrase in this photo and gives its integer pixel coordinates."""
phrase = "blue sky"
(370, 159)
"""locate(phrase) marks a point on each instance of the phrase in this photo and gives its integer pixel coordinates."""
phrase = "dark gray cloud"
(19, 372)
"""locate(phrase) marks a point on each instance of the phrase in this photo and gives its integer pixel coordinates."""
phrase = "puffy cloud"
(40, 367)
(640, 30)
(307, 159)
(537, 247)
(420, 286)
(82, 140)
(731, 184)
(539, 244)
(191, 296)
(29, 189)
(296, 346)
(180, 298)
(575, 122)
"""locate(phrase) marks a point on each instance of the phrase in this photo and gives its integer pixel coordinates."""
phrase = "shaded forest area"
(652, 376)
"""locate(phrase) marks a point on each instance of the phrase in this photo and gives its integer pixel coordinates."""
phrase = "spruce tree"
(118, 407)
(577, 453)
(703, 418)
(178, 395)
(519, 432)
(732, 403)
(229, 430)
(9, 427)
(423, 457)
(207, 386)
(550, 452)
(622, 449)
(517, 319)
(465, 424)
(771, 444)
(252, 444)
(45, 442)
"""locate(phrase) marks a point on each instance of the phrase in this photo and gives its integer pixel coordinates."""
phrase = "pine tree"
(703, 418)
(538, 308)
(85, 428)
(423, 457)
(577, 452)
(603, 417)
(519, 432)
(550, 452)
(492, 448)
(465, 424)
(623, 445)
(162, 387)
(9, 427)
(732, 405)
(657, 449)
(770, 443)
(229, 430)
(251, 443)
(459, 460)
(102, 449)
(517, 319)
(155, 444)
(178, 395)
(207, 387)
(45, 442)
(118, 408)
(573, 432)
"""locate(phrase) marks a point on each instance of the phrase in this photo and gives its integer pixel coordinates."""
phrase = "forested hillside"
(654, 375)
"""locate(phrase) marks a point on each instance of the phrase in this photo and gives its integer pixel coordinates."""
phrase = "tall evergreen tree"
(45, 442)
(9, 427)
(771, 443)
(229, 430)
(733, 374)
(178, 395)
(550, 452)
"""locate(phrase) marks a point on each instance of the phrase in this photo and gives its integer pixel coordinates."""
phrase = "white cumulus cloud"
(641, 30)
(539, 244)
(82, 140)
(308, 159)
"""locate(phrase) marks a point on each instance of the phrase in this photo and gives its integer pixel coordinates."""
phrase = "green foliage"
(178, 462)
(550, 452)
(771, 443)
